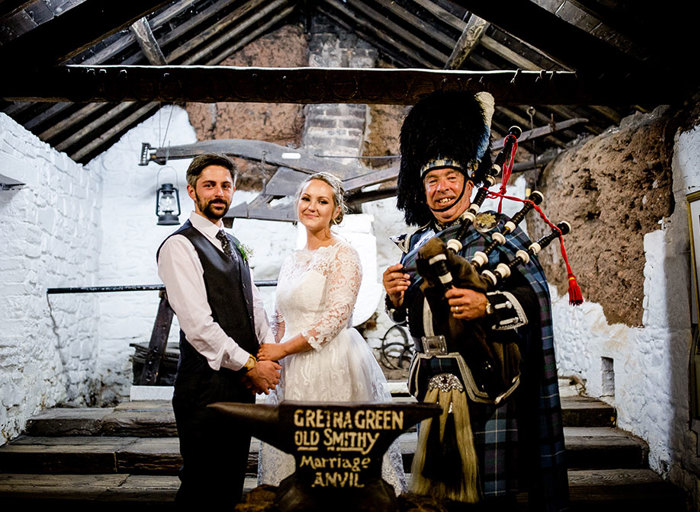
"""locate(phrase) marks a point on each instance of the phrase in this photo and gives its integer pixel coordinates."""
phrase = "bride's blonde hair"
(338, 192)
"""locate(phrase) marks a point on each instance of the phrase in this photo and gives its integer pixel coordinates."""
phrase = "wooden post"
(159, 340)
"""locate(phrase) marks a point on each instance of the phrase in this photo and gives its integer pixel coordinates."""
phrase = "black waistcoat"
(230, 297)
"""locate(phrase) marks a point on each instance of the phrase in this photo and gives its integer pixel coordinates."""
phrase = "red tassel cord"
(575, 295)
(507, 170)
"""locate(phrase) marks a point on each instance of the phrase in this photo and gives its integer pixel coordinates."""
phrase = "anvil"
(338, 449)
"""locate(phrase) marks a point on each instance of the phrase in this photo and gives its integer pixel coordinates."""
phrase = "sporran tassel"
(445, 463)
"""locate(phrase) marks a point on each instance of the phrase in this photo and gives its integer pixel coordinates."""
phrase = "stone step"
(154, 418)
(587, 448)
(600, 490)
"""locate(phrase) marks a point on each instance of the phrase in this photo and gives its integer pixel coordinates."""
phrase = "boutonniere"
(246, 252)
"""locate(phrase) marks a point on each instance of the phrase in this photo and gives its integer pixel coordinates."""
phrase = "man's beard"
(207, 210)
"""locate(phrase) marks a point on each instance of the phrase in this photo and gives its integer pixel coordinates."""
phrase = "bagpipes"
(465, 359)
(490, 371)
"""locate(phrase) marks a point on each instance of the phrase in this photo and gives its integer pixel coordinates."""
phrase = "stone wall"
(629, 342)
(50, 238)
(130, 238)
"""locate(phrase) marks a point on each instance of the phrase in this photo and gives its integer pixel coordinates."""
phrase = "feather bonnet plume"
(443, 129)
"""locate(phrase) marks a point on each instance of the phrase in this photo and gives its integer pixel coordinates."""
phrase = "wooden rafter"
(11, 7)
(550, 34)
(112, 116)
(79, 28)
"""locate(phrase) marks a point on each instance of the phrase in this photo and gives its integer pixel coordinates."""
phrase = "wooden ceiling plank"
(86, 111)
(261, 30)
(551, 35)
(361, 26)
(74, 31)
(222, 28)
(76, 118)
(386, 24)
(400, 54)
(162, 17)
(147, 41)
(90, 129)
(471, 36)
(506, 53)
(9, 8)
(96, 142)
(608, 113)
(109, 51)
(325, 85)
(441, 14)
(188, 25)
(67, 122)
(564, 111)
(423, 27)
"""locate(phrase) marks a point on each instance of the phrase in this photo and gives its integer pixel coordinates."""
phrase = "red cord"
(507, 168)
(575, 295)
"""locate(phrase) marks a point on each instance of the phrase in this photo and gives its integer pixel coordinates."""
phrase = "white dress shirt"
(183, 275)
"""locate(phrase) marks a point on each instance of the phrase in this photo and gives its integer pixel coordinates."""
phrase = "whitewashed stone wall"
(650, 363)
(49, 237)
(130, 238)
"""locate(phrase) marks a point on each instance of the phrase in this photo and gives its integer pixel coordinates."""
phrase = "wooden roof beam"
(74, 31)
(9, 8)
(552, 35)
(147, 41)
(210, 84)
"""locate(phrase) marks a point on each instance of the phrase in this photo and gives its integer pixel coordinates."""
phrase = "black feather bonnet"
(443, 129)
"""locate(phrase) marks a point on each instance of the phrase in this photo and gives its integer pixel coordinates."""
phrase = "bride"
(323, 358)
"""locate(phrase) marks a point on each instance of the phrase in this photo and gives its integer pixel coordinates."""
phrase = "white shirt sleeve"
(182, 273)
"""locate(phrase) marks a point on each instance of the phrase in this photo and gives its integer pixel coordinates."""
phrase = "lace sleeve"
(277, 325)
(343, 278)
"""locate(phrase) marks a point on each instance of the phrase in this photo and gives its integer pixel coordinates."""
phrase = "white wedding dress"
(316, 293)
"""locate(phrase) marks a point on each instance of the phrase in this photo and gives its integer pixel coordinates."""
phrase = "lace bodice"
(316, 293)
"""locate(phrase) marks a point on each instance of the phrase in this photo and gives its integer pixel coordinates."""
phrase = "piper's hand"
(395, 283)
(264, 376)
(271, 352)
(466, 304)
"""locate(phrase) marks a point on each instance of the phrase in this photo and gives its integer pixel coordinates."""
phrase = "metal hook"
(515, 75)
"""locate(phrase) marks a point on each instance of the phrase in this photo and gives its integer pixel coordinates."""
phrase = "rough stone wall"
(49, 238)
(632, 348)
(613, 189)
(280, 123)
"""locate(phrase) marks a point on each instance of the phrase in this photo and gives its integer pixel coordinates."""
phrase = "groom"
(222, 321)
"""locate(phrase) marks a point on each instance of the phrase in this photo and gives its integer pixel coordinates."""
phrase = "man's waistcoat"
(229, 293)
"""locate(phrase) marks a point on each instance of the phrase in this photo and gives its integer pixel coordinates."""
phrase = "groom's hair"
(200, 162)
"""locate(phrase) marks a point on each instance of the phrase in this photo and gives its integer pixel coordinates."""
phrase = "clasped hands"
(264, 377)
(465, 303)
